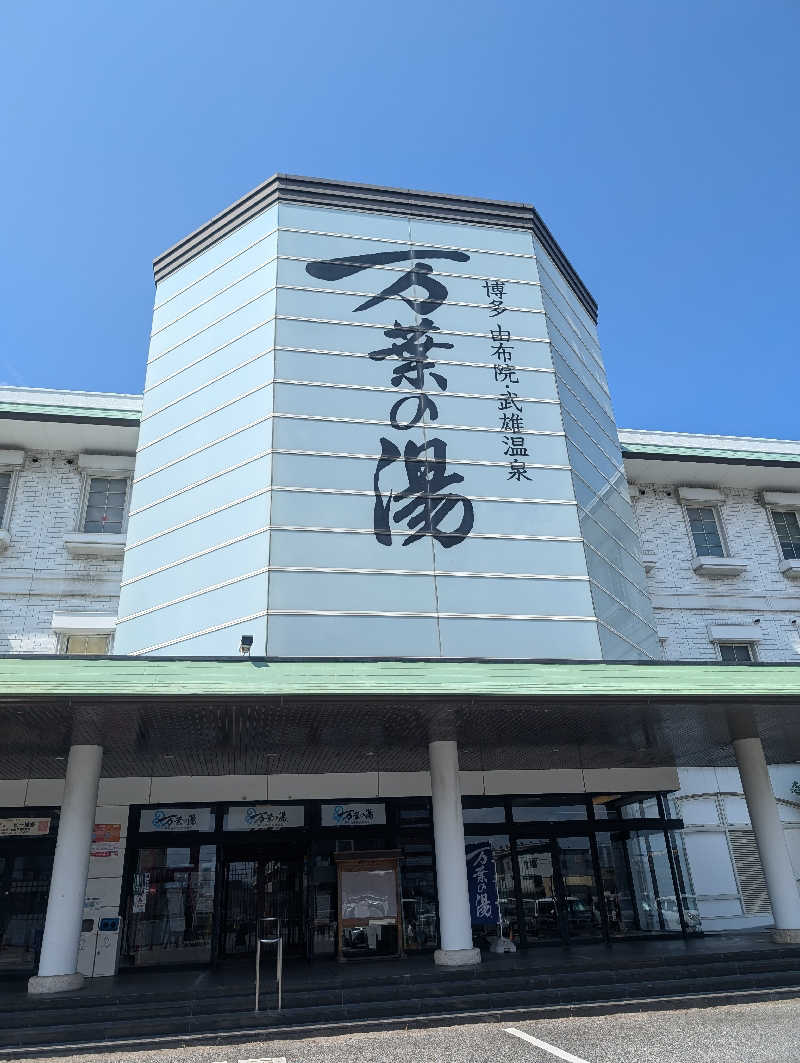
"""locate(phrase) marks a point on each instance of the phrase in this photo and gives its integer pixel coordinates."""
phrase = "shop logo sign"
(264, 817)
(175, 819)
(352, 815)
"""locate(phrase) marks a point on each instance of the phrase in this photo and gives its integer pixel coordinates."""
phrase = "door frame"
(258, 850)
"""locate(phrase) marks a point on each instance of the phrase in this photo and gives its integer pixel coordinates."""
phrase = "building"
(385, 554)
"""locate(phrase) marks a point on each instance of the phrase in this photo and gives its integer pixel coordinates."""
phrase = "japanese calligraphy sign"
(176, 819)
(422, 507)
(482, 881)
(348, 814)
(264, 817)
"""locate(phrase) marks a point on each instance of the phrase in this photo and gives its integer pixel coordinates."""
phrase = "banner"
(484, 905)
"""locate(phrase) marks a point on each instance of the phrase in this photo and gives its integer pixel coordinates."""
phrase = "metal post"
(262, 940)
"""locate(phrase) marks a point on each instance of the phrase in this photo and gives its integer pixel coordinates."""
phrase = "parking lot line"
(265, 1059)
(544, 1045)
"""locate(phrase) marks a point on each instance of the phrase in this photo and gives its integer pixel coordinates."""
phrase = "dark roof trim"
(61, 418)
(261, 661)
(711, 459)
(319, 192)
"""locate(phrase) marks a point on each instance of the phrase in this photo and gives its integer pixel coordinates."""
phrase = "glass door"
(560, 897)
(25, 867)
(258, 883)
(171, 908)
(577, 887)
(541, 903)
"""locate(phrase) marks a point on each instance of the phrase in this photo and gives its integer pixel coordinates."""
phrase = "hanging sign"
(175, 819)
(349, 814)
(481, 877)
(24, 827)
(264, 817)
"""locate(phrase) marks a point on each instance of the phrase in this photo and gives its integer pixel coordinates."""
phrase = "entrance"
(560, 895)
(259, 881)
(25, 868)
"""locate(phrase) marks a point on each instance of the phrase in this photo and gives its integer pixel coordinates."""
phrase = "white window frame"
(715, 507)
(752, 646)
(11, 461)
(104, 467)
(12, 490)
(64, 636)
(83, 624)
(771, 510)
(86, 487)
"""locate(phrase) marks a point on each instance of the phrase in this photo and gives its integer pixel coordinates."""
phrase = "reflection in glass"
(532, 809)
(539, 905)
(24, 887)
(638, 885)
(418, 887)
(171, 906)
(580, 906)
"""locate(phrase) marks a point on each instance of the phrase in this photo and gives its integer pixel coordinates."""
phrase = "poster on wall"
(107, 832)
(264, 817)
(353, 814)
(106, 839)
(141, 883)
(176, 819)
(103, 850)
(24, 827)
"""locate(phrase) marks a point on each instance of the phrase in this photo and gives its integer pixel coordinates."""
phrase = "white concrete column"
(455, 922)
(58, 961)
(770, 839)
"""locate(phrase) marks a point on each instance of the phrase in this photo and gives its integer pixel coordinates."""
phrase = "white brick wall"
(686, 604)
(37, 575)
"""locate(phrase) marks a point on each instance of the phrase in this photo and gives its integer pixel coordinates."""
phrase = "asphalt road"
(745, 1033)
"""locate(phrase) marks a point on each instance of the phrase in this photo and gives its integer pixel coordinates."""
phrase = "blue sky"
(658, 141)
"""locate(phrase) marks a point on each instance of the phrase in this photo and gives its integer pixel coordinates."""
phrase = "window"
(105, 505)
(788, 528)
(736, 652)
(85, 645)
(5, 487)
(704, 527)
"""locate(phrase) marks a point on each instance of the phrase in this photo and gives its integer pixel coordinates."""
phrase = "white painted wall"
(685, 604)
(37, 576)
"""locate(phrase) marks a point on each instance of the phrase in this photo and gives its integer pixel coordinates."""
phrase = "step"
(55, 1010)
(136, 1026)
(510, 965)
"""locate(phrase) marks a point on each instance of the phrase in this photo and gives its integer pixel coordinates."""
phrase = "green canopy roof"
(30, 677)
(732, 457)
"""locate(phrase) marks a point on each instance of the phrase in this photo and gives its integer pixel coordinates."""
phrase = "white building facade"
(244, 501)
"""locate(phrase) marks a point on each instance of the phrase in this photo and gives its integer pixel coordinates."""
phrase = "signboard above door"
(264, 817)
(353, 814)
